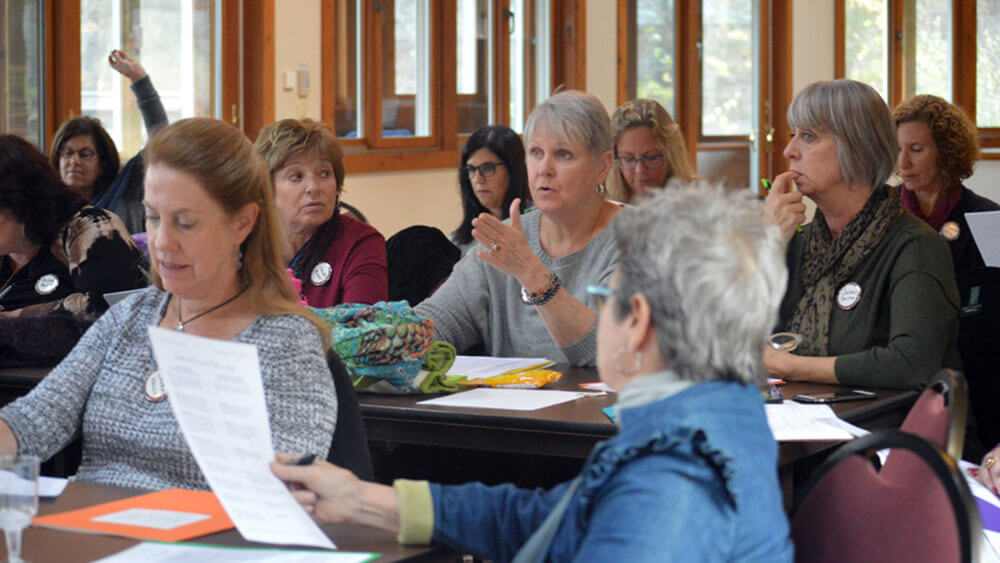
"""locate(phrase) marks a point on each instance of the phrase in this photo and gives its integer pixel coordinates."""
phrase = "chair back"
(940, 412)
(349, 448)
(850, 511)
(979, 346)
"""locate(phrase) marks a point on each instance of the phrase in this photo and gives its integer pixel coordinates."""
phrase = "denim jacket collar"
(649, 388)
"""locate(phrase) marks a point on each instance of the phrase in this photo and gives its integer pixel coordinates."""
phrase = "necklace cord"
(181, 322)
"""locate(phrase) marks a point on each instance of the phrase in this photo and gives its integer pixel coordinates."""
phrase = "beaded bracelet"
(544, 296)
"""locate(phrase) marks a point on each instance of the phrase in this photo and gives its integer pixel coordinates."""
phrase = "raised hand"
(506, 248)
(126, 65)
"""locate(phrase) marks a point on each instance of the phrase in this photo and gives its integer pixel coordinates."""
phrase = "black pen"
(305, 460)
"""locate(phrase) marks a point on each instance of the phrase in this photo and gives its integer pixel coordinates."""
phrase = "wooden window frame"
(441, 149)
(964, 51)
(775, 78)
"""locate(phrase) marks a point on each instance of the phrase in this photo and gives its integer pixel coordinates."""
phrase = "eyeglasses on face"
(602, 294)
(86, 153)
(487, 169)
(650, 161)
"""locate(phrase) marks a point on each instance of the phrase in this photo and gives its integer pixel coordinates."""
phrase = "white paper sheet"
(51, 487)
(149, 552)
(985, 227)
(509, 399)
(215, 390)
(791, 421)
(487, 366)
(152, 518)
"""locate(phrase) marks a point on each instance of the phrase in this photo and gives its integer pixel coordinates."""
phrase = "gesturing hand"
(507, 248)
(784, 206)
(324, 490)
(126, 65)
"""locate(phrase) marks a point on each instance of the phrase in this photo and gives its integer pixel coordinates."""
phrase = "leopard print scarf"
(828, 263)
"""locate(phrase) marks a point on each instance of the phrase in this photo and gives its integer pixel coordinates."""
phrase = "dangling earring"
(239, 258)
(600, 189)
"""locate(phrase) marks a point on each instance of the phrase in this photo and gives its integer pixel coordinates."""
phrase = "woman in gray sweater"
(214, 248)
(524, 293)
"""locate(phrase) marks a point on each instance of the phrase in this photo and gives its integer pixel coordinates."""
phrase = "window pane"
(866, 50)
(987, 63)
(933, 48)
(474, 45)
(21, 96)
(727, 67)
(529, 58)
(656, 52)
(172, 40)
(347, 53)
(406, 89)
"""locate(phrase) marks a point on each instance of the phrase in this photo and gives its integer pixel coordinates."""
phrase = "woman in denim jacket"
(691, 474)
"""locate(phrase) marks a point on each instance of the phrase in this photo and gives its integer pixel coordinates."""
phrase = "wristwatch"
(543, 296)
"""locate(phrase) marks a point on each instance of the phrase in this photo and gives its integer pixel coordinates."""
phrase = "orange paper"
(179, 500)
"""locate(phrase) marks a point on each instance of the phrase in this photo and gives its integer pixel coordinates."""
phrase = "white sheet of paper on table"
(985, 227)
(150, 552)
(486, 366)
(991, 540)
(215, 391)
(151, 518)
(791, 421)
(508, 399)
(51, 487)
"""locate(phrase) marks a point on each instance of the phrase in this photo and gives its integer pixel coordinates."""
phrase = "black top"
(964, 252)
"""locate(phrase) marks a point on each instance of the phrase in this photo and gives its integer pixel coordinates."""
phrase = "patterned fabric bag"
(384, 347)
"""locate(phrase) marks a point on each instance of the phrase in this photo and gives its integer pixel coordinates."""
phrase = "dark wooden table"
(43, 545)
(571, 429)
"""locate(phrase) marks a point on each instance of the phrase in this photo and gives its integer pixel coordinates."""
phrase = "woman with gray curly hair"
(682, 325)
(871, 289)
(524, 292)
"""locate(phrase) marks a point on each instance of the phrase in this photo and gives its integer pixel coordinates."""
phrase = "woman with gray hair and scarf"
(871, 289)
(690, 475)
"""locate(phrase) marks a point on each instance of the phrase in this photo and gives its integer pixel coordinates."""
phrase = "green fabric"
(437, 362)
(905, 326)
(416, 512)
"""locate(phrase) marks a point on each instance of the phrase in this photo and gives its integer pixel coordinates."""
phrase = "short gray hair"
(714, 273)
(575, 117)
(857, 117)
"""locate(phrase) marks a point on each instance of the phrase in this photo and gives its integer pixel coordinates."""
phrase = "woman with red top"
(337, 258)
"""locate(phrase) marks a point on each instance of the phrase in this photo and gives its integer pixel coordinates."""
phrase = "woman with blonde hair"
(649, 151)
(338, 258)
(214, 247)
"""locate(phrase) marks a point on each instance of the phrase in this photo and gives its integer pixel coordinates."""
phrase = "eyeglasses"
(487, 169)
(650, 161)
(84, 153)
(602, 294)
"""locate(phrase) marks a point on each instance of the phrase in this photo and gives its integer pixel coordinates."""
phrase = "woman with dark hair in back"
(492, 175)
(87, 159)
(58, 256)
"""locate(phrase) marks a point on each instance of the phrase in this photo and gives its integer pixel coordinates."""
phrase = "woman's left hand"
(989, 471)
(774, 362)
(507, 248)
(126, 65)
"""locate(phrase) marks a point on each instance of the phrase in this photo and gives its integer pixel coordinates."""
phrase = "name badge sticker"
(849, 296)
(321, 274)
(46, 284)
(950, 231)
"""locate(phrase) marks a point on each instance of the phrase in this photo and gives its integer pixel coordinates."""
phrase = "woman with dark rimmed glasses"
(492, 175)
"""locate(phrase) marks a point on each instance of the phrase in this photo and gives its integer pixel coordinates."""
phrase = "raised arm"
(154, 115)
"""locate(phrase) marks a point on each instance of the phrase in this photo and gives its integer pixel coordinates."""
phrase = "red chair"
(941, 412)
(921, 511)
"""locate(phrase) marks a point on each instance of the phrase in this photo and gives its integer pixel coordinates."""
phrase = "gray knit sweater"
(132, 442)
(479, 304)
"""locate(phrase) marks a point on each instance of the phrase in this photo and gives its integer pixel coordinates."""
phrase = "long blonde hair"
(233, 174)
(649, 113)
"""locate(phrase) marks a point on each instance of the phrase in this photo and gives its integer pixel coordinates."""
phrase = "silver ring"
(494, 248)
(988, 462)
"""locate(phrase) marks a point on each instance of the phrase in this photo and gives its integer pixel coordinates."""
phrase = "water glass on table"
(18, 499)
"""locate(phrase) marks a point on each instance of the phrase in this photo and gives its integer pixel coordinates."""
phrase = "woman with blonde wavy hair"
(649, 151)
(214, 249)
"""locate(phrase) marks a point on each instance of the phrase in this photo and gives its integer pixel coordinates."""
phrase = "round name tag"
(321, 273)
(46, 284)
(849, 296)
(950, 231)
(155, 391)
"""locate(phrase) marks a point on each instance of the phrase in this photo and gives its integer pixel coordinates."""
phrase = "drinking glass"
(18, 499)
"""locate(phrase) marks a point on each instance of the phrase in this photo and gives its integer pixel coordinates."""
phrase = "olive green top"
(904, 328)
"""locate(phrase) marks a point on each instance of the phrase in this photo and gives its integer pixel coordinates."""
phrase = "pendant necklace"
(181, 322)
(154, 389)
